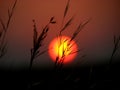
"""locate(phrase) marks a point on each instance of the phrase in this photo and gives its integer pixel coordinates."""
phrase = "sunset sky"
(96, 39)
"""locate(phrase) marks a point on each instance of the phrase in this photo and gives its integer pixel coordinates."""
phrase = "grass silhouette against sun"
(39, 39)
(60, 58)
(63, 50)
(62, 45)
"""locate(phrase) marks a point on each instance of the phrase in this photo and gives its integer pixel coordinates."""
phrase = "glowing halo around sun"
(59, 45)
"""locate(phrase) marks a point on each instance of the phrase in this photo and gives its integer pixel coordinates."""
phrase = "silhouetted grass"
(115, 48)
(3, 32)
(38, 40)
(60, 60)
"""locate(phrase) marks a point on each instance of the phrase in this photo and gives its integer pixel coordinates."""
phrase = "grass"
(115, 48)
(38, 40)
(60, 60)
(3, 31)
(77, 78)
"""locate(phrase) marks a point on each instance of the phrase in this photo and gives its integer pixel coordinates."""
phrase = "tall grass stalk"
(60, 60)
(38, 41)
(3, 31)
(115, 48)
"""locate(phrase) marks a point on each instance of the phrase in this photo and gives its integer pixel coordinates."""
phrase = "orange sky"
(96, 37)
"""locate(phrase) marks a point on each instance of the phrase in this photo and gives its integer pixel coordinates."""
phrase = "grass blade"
(3, 25)
(38, 41)
(35, 35)
(66, 8)
(79, 28)
(67, 24)
(10, 14)
(115, 48)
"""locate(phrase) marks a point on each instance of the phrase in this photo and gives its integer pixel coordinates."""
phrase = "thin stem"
(5, 28)
(116, 46)
(38, 41)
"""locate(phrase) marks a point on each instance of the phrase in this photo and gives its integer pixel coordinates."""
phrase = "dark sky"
(96, 38)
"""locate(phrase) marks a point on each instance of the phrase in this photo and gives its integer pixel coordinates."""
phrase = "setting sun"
(63, 47)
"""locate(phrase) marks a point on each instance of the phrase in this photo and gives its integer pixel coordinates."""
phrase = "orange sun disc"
(63, 47)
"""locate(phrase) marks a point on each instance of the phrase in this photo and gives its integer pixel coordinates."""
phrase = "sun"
(63, 47)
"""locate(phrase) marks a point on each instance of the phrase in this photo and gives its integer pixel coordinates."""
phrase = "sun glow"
(63, 47)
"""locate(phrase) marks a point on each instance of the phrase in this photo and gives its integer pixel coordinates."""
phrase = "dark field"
(87, 77)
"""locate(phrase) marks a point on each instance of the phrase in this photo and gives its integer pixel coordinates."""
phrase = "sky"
(95, 40)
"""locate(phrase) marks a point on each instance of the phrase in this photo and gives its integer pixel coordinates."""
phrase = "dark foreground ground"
(96, 77)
